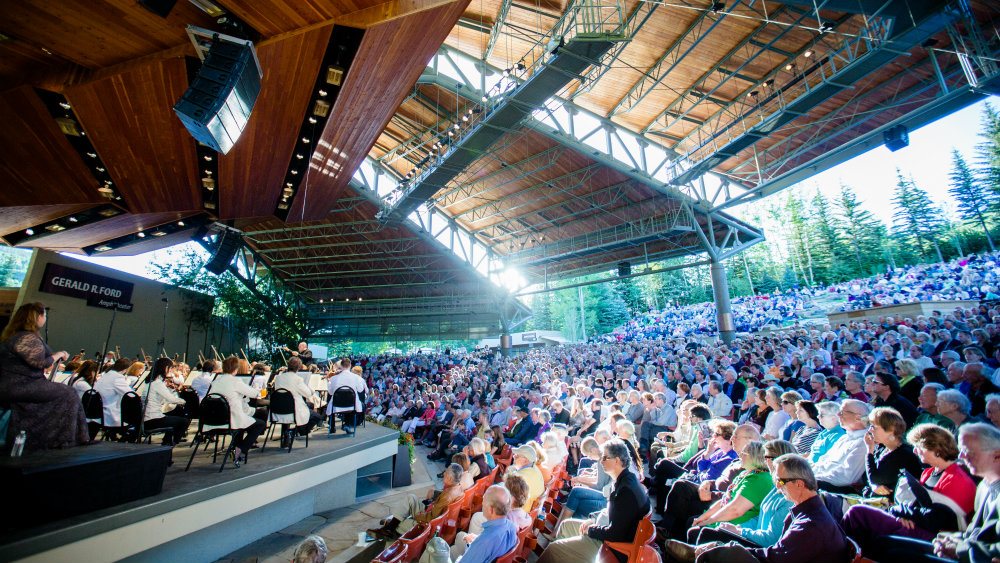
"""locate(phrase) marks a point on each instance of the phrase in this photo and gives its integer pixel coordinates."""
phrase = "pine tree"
(916, 215)
(988, 153)
(973, 198)
(860, 227)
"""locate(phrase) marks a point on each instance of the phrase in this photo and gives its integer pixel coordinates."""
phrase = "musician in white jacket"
(305, 418)
(160, 396)
(240, 413)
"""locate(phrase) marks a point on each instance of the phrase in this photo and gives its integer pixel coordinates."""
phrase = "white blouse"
(160, 396)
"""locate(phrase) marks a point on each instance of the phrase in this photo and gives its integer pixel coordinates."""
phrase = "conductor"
(303, 353)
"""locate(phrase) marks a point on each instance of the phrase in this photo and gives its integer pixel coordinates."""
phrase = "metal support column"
(723, 306)
(505, 347)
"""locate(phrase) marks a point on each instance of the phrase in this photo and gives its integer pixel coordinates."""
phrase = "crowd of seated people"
(795, 446)
(975, 277)
(858, 435)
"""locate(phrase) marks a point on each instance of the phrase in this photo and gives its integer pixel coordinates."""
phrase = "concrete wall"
(906, 310)
(73, 325)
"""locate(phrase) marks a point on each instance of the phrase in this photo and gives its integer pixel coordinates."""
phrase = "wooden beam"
(367, 17)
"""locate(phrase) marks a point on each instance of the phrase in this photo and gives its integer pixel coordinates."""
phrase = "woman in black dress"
(50, 414)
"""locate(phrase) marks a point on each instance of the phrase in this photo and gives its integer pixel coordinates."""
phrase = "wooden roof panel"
(98, 33)
(105, 230)
(391, 57)
(248, 184)
(145, 147)
(39, 166)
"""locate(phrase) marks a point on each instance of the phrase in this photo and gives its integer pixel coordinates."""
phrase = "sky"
(928, 159)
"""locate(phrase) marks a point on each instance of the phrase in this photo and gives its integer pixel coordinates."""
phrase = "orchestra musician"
(240, 414)
(303, 353)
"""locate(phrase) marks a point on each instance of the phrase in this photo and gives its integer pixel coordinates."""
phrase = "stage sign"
(99, 291)
(529, 337)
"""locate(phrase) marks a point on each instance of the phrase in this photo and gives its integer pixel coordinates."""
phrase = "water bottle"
(19, 444)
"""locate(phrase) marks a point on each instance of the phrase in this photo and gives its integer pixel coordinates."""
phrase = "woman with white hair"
(829, 419)
(955, 406)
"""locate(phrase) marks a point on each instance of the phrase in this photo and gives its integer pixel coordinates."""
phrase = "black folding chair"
(343, 397)
(131, 413)
(214, 411)
(282, 403)
(93, 411)
(191, 401)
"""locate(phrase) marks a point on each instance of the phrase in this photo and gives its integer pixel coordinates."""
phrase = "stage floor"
(203, 482)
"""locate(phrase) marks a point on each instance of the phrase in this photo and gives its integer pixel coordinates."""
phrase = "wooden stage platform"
(201, 515)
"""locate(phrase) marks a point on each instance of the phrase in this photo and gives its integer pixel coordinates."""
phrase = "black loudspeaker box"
(624, 269)
(896, 138)
(217, 106)
(228, 244)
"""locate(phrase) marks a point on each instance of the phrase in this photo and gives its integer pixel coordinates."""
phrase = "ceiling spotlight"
(102, 248)
(789, 66)
(305, 139)
(72, 219)
(208, 172)
(451, 133)
(718, 7)
(299, 156)
(159, 233)
(808, 53)
(312, 120)
(92, 155)
(29, 232)
(465, 118)
(457, 127)
(322, 92)
(346, 300)
(320, 301)
(485, 99)
(506, 72)
(826, 28)
(294, 172)
(208, 158)
(141, 234)
(754, 93)
(520, 65)
(289, 184)
(64, 105)
(180, 223)
(769, 82)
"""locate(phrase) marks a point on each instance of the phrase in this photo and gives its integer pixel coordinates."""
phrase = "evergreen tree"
(629, 292)
(988, 152)
(973, 198)
(916, 215)
(861, 228)
(543, 319)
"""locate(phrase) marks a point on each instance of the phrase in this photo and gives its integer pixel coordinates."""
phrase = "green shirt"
(940, 420)
(753, 487)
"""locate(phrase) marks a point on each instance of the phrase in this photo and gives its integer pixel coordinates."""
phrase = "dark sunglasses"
(783, 482)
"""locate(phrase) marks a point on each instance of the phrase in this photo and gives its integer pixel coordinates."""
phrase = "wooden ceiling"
(685, 76)
(121, 68)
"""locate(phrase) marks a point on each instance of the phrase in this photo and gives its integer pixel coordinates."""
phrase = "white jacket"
(160, 396)
(300, 391)
(237, 393)
(112, 386)
(350, 379)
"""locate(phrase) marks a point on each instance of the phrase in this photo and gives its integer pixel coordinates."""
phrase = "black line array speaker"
(624, 269)
(896, 138)
(228, 244)
(217, 106)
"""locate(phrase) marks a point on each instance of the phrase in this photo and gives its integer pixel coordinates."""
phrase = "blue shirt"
(766, 528)
(826, 439)
(499, 537)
